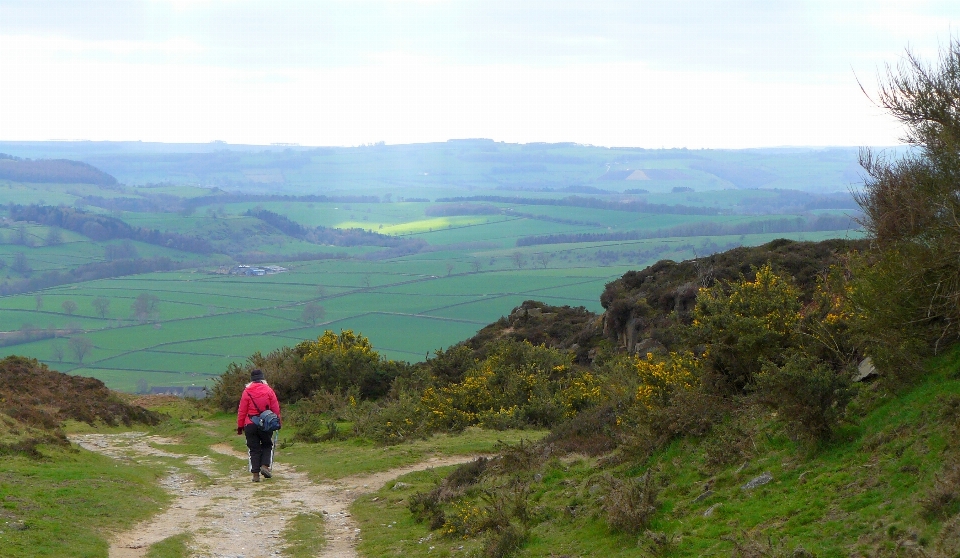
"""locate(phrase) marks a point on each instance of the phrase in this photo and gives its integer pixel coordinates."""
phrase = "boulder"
(865, 371)
(758, 481)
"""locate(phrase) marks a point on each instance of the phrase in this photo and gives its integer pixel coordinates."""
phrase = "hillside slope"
(888, 485)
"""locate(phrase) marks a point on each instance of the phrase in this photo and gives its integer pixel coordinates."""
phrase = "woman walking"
(257, 397)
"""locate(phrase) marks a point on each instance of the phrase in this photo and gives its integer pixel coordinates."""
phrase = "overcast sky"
(666, 73)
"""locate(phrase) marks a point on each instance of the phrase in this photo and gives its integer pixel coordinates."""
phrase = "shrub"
(591, 432)
(426, 507)
(629, 504)
(745, 323)
(505, 542)
(661, 378)
(806, 393)
(340, 361)
(943, 499)
(517, 384)
(390, 421)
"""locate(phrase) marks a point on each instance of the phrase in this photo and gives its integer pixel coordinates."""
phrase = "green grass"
(334, 460)
(304, 535)
(176, 546)
(68, 504)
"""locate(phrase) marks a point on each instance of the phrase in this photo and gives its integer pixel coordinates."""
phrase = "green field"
(465, 272)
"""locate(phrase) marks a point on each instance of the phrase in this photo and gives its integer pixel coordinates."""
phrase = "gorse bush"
(518, 384)
(333, 363)
(807, 394)
(661, 378)
(744, 323)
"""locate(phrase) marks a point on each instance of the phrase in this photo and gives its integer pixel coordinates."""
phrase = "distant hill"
(57, 171)
(406, 170)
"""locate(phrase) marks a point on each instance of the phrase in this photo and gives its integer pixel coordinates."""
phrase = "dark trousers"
(260, 445)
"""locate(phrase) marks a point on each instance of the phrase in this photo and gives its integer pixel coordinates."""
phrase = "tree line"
(87, 272)
(783, 225)
(635, 206)
(158, 203)
(102, 227)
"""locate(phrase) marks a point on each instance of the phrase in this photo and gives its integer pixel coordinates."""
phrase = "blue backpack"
(266, 421)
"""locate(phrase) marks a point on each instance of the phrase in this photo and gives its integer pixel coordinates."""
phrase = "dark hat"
(256, 375)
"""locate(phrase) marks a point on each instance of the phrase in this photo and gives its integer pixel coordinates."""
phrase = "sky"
(641, 73)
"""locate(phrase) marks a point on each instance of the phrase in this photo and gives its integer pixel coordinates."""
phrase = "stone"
(706, 494)
(758, 481)
(649, 345)
(710, 510)
(865, 371)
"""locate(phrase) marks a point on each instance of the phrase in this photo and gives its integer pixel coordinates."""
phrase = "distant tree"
(143, 386)
(312, 313)
(477, 264)
(365, 281)
(321, 290)
(57, 351)
(69, 307)
(145, 307)
(80, 347)
(20, 264)
(54, 236)
(102, 306)
(543, 258)
(38, 302)
(519, 260)
(21, 236)
(123, 251)
(449, 268)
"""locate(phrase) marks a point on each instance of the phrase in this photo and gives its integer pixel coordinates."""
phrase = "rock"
(758, 481)
(400, 486)
(710, 510)
(649, 345)
(706, 494)
(865, 371)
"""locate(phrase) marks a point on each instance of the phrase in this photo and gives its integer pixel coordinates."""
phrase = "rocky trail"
(231, 517)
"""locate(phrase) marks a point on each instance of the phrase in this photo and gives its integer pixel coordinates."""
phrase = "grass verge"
(69, 502)
(304, 535)
(176, 546)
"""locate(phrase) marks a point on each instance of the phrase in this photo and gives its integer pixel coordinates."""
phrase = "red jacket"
(264, 397)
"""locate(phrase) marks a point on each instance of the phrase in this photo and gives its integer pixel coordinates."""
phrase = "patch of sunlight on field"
(423, 225)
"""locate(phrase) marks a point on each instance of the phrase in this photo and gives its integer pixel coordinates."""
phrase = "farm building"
(248, 270)
(193, 392)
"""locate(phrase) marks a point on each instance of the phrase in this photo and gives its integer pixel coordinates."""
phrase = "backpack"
(266, 421)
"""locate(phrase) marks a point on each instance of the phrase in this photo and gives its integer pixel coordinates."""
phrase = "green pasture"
(204, 322)
(410, 338)
(48, 194)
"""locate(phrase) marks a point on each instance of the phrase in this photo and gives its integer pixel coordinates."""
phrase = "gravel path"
(231, 517)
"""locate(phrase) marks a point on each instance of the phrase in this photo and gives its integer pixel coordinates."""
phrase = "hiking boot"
(265, 471)
(256, 477)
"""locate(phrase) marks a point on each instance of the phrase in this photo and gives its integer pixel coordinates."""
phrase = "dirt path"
(231, 517)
